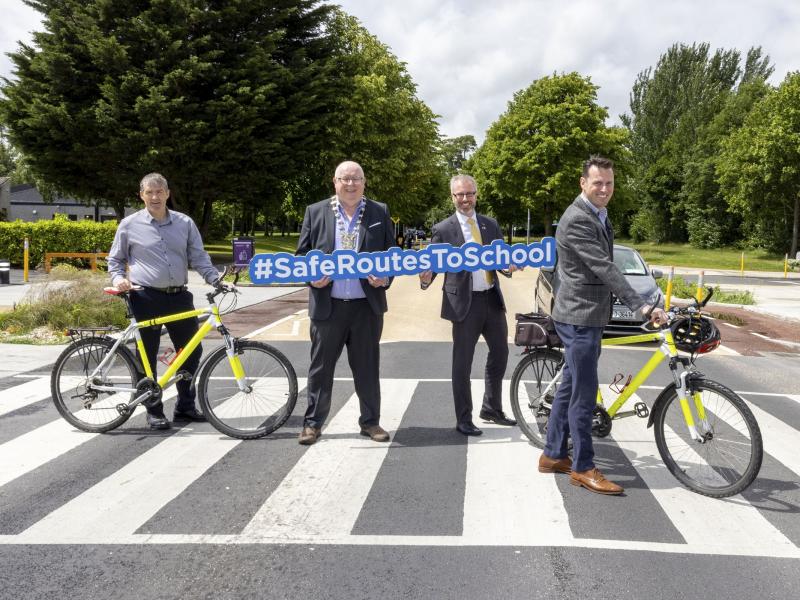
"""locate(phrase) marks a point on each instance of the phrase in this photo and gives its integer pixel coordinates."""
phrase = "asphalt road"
(189, 513)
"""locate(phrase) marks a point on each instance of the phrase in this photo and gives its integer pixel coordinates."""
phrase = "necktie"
(476, 237)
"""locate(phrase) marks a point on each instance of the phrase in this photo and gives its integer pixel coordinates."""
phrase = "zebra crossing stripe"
(116, 507)
(22, 395)
(780, 439)
(31, 450)
(320, 499)
(495, 512)
(728, 526)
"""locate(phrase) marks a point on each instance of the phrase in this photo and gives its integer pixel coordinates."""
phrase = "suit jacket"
(585, 272)
(457, 288)
(376, 233)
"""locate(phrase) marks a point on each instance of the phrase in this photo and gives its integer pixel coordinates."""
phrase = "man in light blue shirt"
(156, 246)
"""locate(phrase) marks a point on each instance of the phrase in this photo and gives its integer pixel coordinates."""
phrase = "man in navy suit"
(346, 312)
(585, 278)
(474, 303)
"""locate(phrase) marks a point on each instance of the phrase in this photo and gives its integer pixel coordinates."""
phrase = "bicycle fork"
(684, 391)
(235, 362)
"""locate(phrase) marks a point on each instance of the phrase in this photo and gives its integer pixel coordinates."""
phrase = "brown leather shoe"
(376, 433)
(309, 435)
(555, 465)
(594, 481)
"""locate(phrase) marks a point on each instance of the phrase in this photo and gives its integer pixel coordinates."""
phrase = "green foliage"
(379, 123)
(533, 152)
(681, 111)
(455, 152)
(58, 235)
(229, 100)
(759, 169)
(681, 288)
(68, 298)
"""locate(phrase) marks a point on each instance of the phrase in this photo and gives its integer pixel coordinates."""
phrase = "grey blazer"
(585, 272)
(376, 233)
(457, 289)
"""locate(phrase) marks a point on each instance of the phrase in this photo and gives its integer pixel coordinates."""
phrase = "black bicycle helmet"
(696, 335)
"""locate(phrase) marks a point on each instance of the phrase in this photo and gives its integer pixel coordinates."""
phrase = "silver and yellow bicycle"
(706, 435)
(246, 389)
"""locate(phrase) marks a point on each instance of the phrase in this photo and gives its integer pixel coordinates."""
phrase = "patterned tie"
(476, 237)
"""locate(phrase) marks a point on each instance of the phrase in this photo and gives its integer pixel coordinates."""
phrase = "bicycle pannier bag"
(535, 329)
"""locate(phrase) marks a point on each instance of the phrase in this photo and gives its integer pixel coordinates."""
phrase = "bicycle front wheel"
(532, 391)
(728, 456)
(254, 406)
(75, 376)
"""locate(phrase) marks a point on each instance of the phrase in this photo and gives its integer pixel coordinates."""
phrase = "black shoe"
(467, 428)
(189, 415)
(497, 416)
(158, 421)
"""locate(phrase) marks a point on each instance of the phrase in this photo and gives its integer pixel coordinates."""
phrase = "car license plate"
(623, 314)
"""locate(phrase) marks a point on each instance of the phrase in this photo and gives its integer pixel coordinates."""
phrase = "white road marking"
(24, 394)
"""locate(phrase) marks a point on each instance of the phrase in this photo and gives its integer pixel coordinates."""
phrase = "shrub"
(681, 288)
(69, 298)
(58, 235)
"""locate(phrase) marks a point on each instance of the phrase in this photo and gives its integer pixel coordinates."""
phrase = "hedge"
(58, 235)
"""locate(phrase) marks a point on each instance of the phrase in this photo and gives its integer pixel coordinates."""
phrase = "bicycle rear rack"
(80, 333)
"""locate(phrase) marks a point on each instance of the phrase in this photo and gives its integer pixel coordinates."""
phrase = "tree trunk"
(510, 233)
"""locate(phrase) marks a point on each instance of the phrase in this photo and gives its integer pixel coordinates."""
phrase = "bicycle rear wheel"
(265, 404)
(85, 408)
(728, 458)
(530, 397)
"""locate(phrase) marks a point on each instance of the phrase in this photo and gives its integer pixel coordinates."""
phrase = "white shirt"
(479, 283)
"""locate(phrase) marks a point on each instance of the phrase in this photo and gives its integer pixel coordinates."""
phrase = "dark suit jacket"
(457, 289)
(585, 272)
(376, 233)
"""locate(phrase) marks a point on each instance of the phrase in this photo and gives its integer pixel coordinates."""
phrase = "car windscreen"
(629, 262)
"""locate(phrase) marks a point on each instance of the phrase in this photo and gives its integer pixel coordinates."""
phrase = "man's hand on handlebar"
(656, 315)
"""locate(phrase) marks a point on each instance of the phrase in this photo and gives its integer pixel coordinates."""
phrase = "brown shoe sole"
(376, 438)
(595, 490)
(554, 470)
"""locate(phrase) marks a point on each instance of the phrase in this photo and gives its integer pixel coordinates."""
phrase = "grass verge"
(69, 298)
(681, 288)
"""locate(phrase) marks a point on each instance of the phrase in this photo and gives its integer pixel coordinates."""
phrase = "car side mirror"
(657, 273)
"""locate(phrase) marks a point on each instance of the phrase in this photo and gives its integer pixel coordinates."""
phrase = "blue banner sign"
(282, 267)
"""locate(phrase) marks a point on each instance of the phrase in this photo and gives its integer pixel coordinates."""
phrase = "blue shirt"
(158, 253)
(347, 289)
(602, 213)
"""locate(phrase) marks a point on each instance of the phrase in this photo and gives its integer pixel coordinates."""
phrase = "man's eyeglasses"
(462, 195)
(349, 180)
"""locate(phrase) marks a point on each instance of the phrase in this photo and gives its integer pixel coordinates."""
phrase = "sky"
(468, 57)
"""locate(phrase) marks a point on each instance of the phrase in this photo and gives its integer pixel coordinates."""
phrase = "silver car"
(623, 321)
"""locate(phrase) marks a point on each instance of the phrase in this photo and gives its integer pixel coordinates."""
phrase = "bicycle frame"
(169, 376)
(666, 349)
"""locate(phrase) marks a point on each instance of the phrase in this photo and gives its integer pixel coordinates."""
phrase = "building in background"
(24, 202)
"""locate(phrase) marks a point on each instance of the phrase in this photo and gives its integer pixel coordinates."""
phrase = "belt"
(177, 289)
(347, 299)
(482, 291)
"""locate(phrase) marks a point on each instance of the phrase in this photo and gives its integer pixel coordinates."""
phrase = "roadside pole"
(670, 277)
(25, 258)
(699, 293)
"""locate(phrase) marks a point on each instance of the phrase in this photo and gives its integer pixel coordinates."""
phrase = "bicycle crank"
(601, 422)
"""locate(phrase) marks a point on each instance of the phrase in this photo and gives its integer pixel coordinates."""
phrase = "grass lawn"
(683, 255)
(221, 251)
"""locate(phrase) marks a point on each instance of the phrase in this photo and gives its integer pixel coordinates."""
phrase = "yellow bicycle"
(246, 389)
(706, 435)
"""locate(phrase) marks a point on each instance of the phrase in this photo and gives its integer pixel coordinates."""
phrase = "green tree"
(533, 152)
(759, 169)
(455, 152)
(672, 141)
(227, 99)
(380, 123)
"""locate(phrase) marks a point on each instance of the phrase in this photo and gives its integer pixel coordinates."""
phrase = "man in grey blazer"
(585, 278)
(474, 303)
(346, 312)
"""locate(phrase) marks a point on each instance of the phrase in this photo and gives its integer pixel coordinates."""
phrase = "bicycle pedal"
(642, 411)
(183, 375)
